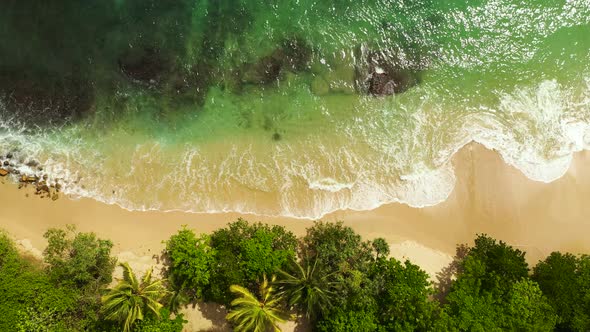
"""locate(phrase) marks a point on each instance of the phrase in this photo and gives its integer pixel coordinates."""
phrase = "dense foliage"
(132, 298)
(190, 261)
(36, 299)
(565, 280)
(244, 253)
(493, 291)
(78, 258)
(257, 313)
(331, 277)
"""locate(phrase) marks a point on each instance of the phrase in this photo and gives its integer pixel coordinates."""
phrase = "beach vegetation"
(245, 252)
(565, 280)
(132, 298)
(331, 278)
(493, 291)
(307, 288)
(167, 322)
(82, 259)
(402, 294)
(190, 260)
(336, 247)
(250, 313)
(340, 320)
(31, 301)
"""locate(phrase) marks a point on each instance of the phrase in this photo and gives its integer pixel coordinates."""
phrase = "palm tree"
(251, 314)
(307, 288)
(128, 301)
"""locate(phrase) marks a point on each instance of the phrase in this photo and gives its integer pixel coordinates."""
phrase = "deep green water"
(266, 107)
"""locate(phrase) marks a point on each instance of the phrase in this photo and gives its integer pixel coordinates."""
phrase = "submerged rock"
(4, 172)
(44, 99)
(145, 65)
(266, 70)
(293, 55)
(384, 75)
(389, 82)
(319, 86)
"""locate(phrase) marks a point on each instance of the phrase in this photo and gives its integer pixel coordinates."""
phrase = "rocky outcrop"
(145, 65)
(382, 74)
(45, 99)
(293, 55)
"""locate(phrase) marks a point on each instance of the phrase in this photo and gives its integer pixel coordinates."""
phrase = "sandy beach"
(489, 197)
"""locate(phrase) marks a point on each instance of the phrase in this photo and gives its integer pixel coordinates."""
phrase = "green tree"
(336, 247)
(502, 264)
(402, 294)
(527, 308)
(30, 301)
(381, 247)
(349, 321)
(346, 258)
(165, 323)
(78, 258)
(190, 261)
(493, 292)
(307, 288)
(251, 314)
(244, 252)
(131, 298)
(565, 280)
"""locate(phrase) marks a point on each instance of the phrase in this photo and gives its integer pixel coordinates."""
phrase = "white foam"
(537, 129)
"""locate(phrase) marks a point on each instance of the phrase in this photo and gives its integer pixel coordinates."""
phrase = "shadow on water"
(65, 61)
(56, 56)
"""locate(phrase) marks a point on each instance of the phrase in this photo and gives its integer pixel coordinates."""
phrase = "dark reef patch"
(383, 75)
(145, 65)
(292, 55)
(44, 100)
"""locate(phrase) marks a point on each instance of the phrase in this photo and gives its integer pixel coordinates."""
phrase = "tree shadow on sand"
(445, 278)
(216, 314)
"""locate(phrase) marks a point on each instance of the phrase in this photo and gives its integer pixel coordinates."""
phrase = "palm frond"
(250, 313)
(129, 300)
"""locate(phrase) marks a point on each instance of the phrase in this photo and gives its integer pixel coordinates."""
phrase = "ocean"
(287, 107)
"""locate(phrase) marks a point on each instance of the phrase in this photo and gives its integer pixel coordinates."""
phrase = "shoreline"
(489, 196)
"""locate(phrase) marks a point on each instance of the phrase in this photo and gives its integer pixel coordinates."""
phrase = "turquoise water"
(278, 108)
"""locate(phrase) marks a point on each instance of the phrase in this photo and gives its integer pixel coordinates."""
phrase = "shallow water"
(163, 105)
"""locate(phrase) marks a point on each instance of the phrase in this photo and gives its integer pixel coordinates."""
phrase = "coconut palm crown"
(131, 298)
(306, 287)
(252, 314)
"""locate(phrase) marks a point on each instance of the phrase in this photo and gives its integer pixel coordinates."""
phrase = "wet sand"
(489, 197)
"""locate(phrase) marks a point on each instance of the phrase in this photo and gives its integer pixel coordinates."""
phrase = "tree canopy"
(190, 261)
(565, 280)
(244, 253)
(79, 258)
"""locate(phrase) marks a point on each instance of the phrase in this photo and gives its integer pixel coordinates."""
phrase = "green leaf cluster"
(493, 292)
(244, 253)
(190, 261)
(565, 280)
(81, 259)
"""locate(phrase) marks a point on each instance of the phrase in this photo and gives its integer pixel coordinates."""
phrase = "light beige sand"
(490, 197)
